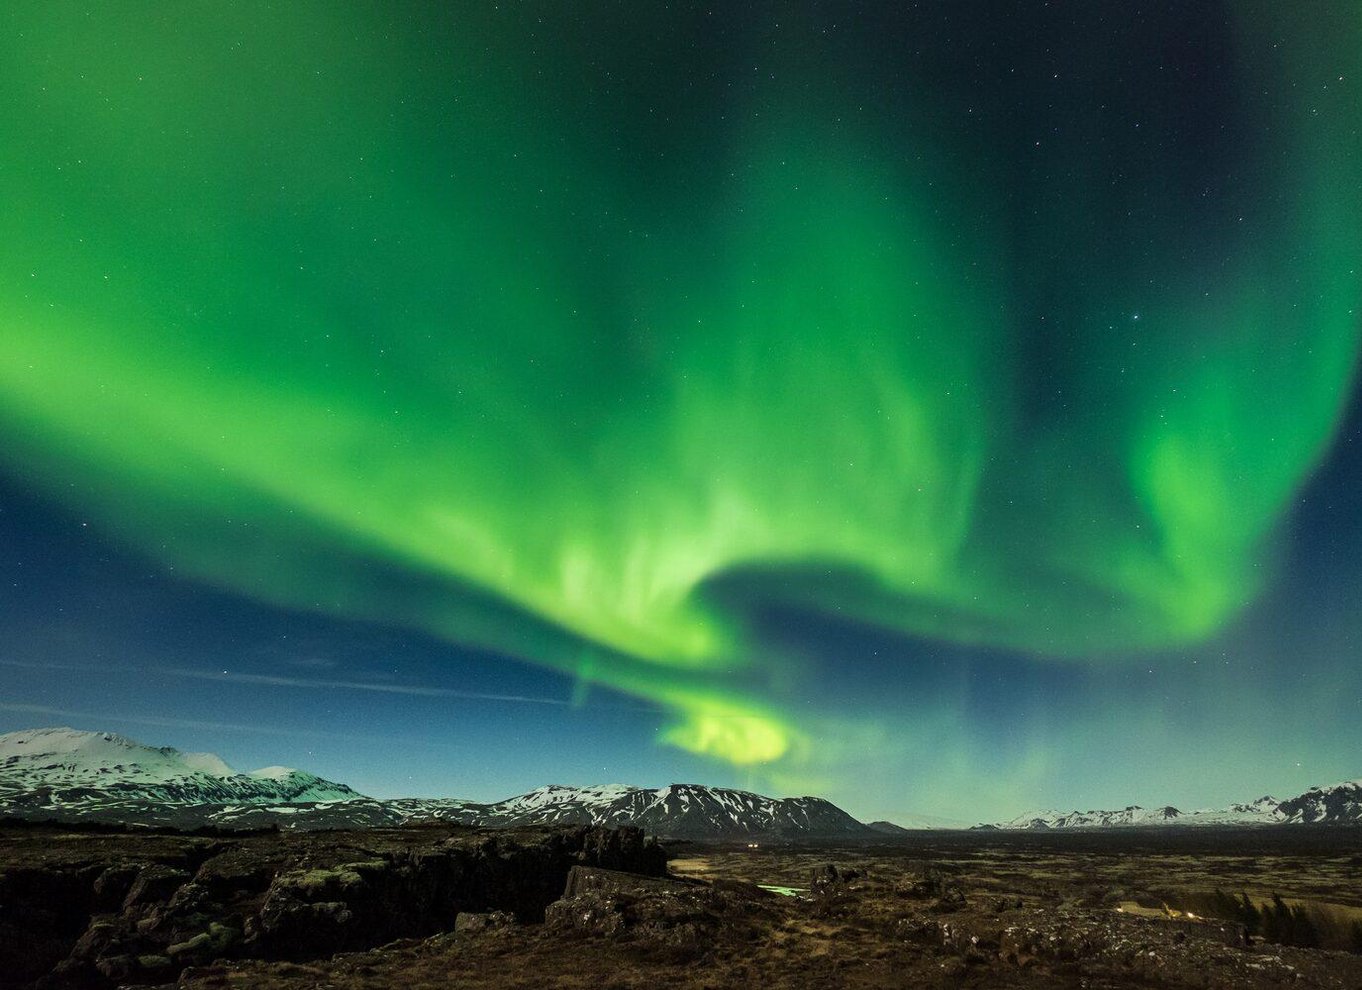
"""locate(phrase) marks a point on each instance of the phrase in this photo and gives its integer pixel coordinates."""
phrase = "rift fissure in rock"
(168, 902)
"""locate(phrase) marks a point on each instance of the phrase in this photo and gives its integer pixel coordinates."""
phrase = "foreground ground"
(930, 910)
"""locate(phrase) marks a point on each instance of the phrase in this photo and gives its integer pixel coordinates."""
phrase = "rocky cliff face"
(139, 909)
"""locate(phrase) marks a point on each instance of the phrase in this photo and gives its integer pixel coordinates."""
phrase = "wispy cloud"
(32, 665)
(419, 690)
(313, 663)
(310, 683)
(102, 718)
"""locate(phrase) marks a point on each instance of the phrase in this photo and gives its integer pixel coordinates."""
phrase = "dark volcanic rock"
(421, 890)
(679, 916)
(593, 880)
(589, 914)
(154, 884)
(1030, 922)
(622, 849)
(95, 924)
(475, 921)
(671, 919)
(112, 886)
(952, 899)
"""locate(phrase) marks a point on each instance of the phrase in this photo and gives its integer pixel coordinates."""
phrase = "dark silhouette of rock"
(154, 883)
(952, 899)
(593, 880)
(588, 914)
(111, 887)
(99, 924)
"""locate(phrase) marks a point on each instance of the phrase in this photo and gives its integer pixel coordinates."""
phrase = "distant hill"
(888, 828)
(1340, 804)
(917, 823)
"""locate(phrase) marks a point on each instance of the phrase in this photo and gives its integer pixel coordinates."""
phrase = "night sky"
(943, 407)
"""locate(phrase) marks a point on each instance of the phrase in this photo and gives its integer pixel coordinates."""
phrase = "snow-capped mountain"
(1132, 815)
(64, 768)
(683, 811)
(99, 776)
(694, 811)
(1339, 804)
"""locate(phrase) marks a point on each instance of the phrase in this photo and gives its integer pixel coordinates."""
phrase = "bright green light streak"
(284, 317)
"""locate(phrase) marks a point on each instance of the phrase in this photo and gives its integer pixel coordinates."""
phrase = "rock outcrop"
(176, 902)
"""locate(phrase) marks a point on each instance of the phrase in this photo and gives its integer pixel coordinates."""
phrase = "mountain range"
(57, 768)
(102, 777)
(71, 775)
(1339, 804)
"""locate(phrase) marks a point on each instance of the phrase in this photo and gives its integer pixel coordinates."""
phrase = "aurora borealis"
(940, 391)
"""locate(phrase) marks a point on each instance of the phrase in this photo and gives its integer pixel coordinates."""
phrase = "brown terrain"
(445, 906)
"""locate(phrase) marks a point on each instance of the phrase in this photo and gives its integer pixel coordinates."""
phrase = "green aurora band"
(578, 339)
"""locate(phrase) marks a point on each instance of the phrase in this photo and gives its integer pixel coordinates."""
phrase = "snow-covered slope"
(691, 810)
(99, 776)
(1339, 804)
(677, 811)
(67, 768)
(1132, 815)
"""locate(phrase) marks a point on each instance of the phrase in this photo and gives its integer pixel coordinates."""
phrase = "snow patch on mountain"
(64, 768)
(209, 763)
(675, 811)
(273, 773)
(1339, 804)
(99, 776)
